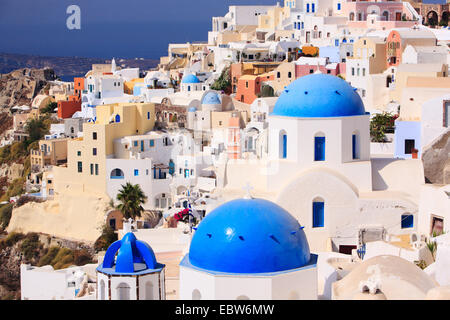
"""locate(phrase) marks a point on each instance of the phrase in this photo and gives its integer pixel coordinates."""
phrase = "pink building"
(379, 14)
(306, 65)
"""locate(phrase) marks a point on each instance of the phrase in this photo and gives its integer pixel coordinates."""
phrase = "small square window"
(407, 221)
(94, 135)
(152, 143)
(79, 153)
(135, 143)
(94, 151)
(136, 172)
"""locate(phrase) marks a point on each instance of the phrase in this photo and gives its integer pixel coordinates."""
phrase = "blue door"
(319, 149)
(284, 146)
(318, 214)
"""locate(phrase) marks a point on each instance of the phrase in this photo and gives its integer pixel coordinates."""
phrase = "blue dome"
(318, 96)
(192, 109)
(211, 98)
(132, 256)
(249, 236)
(190, 78)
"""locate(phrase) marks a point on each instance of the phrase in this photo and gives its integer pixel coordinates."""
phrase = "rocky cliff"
(19, 87)
(436, 160)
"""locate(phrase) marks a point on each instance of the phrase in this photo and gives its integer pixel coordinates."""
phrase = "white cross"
(248, 188)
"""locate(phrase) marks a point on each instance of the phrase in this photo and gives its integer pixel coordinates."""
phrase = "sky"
(109, 28)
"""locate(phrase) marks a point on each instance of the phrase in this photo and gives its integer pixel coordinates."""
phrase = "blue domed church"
(249, 249)
(318, 164)
(129, 271)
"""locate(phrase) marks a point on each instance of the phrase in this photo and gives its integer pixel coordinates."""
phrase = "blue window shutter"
(284, 146)
(339, 6)
(307, 7)
(319, 149)
(318, 214)
(117, 118)
(312, 7)
(407, 221)
(136, 172)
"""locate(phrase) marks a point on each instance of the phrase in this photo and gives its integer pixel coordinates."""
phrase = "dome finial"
(248, 188)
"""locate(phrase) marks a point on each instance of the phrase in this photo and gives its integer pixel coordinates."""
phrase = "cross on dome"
(248, 188)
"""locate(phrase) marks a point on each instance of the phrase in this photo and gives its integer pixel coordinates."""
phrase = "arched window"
(123, 291)
(117, 118)
(72, 130)
(102, 289)
(149, 291)
(196, 295)
(289, 74)
(352, 16)
(117, 174)
(319, 147)
(243, 297)
(283, 144)
(386, 15)
(318, 208)
(355, 145)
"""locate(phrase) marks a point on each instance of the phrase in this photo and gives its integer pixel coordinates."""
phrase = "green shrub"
(5, 215)
(50, 107)
(381, 124)
(11, 240)
(49, 256)
(82, 257)
(63, 259)
(107, 237)
(224, 81)
(31, 246)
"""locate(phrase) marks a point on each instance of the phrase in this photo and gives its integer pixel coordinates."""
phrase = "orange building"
(66, 109)
(78, 86)
(249, 87)
(249, 68)
(399, 39)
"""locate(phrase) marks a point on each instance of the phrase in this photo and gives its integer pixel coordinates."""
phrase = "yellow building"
(274, 18)
(86, 157)
(405, 71)
(283, 76)
(128, 86)
(373, 49)
(50, 152)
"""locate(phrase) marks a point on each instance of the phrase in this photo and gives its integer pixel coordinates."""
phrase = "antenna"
(248, 188)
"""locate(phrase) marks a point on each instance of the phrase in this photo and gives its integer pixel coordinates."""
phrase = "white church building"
(249, 249)
(319, 167)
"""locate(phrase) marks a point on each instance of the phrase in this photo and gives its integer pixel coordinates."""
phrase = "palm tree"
(131, 198)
